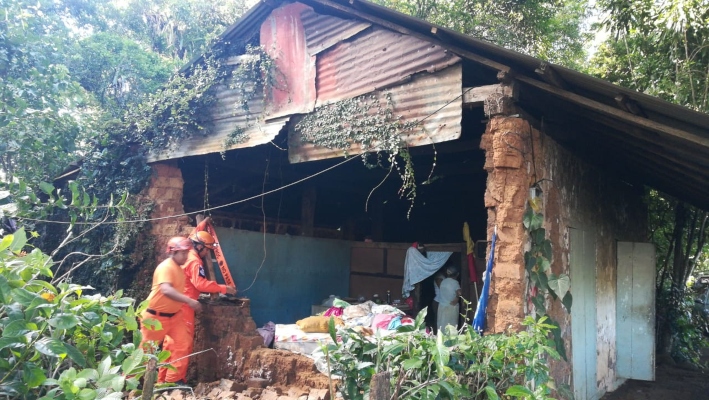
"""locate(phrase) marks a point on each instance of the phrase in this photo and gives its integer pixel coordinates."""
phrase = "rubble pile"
(252, 389)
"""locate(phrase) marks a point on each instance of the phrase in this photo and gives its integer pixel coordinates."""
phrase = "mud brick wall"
(165, 190)
(575, 194)
(229, 330)
(506, 142)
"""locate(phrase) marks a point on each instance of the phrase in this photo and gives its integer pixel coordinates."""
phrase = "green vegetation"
(540, 279)
(57, 342)
(659, 48)
(449, 365)
(553, 30)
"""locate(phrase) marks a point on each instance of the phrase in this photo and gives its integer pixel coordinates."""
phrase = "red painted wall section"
(283, 38)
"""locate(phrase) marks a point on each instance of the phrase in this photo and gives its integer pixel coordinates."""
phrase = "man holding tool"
(196, 282)
(166, 304)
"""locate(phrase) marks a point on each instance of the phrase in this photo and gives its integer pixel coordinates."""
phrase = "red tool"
(206, 225)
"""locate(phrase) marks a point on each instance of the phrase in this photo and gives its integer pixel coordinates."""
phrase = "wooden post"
(308, 212)
(151, 375)
(379, 386)
(377, 208)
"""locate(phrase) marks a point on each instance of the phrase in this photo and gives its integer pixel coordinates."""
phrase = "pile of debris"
(252, 389)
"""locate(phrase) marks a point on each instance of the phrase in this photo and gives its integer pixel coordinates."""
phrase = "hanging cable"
(208, 209)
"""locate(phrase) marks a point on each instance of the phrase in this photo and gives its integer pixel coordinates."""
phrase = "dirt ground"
(671, 382)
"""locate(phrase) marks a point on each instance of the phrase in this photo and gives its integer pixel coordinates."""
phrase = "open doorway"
(345, 204)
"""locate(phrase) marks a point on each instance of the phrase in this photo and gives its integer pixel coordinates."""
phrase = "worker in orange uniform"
(196, 282)
(165, 305)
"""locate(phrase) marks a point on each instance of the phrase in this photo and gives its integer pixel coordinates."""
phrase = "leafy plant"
(542, 281)
(449, 365)
(56, 342)
(256, 75)
(370, 123)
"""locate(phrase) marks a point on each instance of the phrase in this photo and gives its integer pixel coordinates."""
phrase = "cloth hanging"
(481, 311)
(418, 267)
(470, 247)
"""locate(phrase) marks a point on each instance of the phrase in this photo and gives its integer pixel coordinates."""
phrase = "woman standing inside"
(449, 298)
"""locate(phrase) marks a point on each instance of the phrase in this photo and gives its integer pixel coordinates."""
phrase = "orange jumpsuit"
(196, 282)
(168, 312)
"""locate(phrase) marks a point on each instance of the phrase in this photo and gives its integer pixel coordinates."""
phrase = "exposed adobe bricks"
(238, 353)
(506, 141)
(228, 329)
(165, 190)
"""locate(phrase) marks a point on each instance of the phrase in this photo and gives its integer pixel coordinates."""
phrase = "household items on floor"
(367, 318)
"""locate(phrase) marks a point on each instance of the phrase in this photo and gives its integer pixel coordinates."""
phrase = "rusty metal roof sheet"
(583, 96)
(426, 95)
(325, 31)
(226, 116)
(376, 59)
(283, 37)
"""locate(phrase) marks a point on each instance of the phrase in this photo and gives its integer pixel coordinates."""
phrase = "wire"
(263, 211)
(209, 209)
(199, 211)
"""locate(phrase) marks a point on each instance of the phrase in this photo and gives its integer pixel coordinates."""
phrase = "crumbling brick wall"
(228, 330)
(165, 190)
(575, 194)
(506, 143)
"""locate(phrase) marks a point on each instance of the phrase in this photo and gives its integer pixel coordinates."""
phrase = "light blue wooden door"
(583, 314)
(635, 335)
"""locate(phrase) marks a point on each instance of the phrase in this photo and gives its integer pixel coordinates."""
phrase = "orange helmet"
(178, 243)
(203, 238)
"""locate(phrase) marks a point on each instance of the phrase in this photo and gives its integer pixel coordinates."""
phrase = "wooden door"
(583, 314)
(635, 326)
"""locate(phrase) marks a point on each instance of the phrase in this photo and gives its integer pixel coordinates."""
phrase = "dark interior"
(453, 195)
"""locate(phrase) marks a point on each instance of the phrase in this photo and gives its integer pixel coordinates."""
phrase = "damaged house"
(485, 130)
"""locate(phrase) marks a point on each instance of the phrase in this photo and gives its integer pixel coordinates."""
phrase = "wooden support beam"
(505, 77)
(476, 96)
(449, 147)
(236, 60)
(616, 113)
(308, 211)
(550, 76)
(629, 105)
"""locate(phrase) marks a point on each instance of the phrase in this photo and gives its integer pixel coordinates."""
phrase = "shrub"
(450, 365)
(55, 341)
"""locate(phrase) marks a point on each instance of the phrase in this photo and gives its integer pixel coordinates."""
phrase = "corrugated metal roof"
(375, 60)
(587, 103)
(584, 102)
(283, 38)
(413, 101)
(226, 115)
(324, 31)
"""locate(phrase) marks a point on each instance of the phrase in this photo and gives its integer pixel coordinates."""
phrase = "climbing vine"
(256, 74)
(370, 123)
(116, 167)
(541, 280)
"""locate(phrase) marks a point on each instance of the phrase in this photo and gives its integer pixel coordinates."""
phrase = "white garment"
(437, 290)
(417, 267)
(447, 313)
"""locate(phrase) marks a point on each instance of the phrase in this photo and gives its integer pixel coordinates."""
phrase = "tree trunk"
(678, 261)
